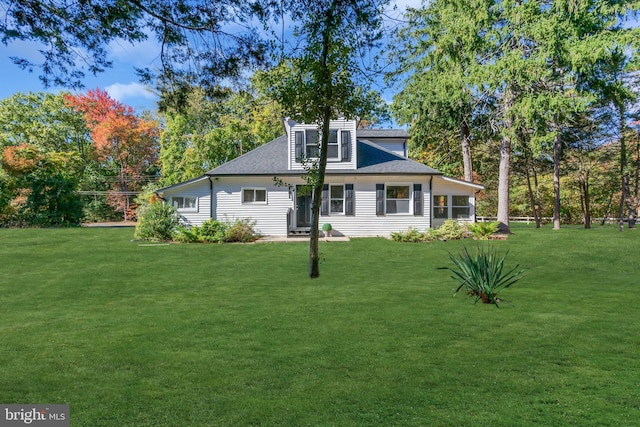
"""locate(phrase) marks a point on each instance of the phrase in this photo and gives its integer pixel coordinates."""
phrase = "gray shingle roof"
(382, 133)
(271, 159)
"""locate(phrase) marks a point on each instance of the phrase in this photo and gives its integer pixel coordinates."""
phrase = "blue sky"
(120, 81)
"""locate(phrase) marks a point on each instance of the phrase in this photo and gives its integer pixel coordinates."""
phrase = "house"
(371, 187)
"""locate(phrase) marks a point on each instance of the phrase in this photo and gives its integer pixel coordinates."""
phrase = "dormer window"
(312, 147)
(308, 145)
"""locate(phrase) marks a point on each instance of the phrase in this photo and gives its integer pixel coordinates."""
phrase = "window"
(312, 149)
(460, 207)
(398, 199)
(440, 207)
(254, 195)
(184, 202)
(337, 199)
(333, 148)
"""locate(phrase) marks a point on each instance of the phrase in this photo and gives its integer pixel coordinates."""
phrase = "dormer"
(304, 142)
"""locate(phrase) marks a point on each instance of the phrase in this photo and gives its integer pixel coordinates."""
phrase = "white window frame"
(409, 200)
(467, 206)
(254, 190)
(193, 208)
(307, 144)
(337, 144)
(331, 199)
(447, 206)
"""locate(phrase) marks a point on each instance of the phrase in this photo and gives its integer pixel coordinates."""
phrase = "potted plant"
(326, 228)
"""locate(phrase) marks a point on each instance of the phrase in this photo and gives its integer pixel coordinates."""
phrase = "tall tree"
(123, 141)
(46, 150)
(318, 82)
(439, 99)
(528, 56)
(211, 131)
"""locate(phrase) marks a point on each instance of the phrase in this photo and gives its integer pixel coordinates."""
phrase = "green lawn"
(192, 335)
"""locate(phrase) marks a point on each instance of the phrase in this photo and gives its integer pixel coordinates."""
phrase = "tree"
(123, 142)
(529, 58)
(439, 100)
(46, 149)
(318, 82)
(200, 42)
(211, 131)
(45, 185)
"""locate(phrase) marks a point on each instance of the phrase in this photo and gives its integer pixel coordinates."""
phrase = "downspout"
(210, 197)
(475, 206)
(430, 201)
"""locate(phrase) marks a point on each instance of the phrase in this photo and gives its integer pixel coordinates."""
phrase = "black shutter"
(417, 199)
(348, 200)
(299, 145)
(324, 206)
(379, 199)
(345, 140)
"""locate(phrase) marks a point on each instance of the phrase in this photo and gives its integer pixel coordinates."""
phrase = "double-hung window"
(460, 207)
(441, 207)
(333, 149)
(254, 195)
(184, 203)
(312, 147)
(398, 199)
(336, 204)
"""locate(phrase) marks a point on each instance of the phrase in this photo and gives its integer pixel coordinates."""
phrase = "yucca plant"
(483, 275)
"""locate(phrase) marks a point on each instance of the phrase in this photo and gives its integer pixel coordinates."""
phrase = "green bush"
(157, 222)
(482, 230)
(412, 235)
(187, 234)
(240, 231)
(213, 231)
(483, 275)
(449, 230)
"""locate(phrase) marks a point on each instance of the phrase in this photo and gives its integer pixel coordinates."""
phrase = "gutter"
(210, 197)
(431, 201)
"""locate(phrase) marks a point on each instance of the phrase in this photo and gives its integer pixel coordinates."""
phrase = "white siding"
(341, 124)
(398, 148)
(270, 217)
(199, 189)
(365, 222)
(449, 188)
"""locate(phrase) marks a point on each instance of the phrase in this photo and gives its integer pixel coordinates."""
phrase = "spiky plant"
(483, 274)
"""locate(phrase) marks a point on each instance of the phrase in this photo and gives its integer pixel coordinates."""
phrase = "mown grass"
(185, 335)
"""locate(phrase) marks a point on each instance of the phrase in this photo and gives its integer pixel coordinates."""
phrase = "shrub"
(213, 231)
(187, 235)
(482, 230)
(240, 231)
(483, 275)
(412, 235)
(157, 222)
(450, 230)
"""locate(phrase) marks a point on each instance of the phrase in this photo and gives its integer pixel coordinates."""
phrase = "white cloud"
(133, 90)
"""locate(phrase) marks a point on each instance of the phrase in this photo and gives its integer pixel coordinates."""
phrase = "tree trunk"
(465, 142)
(625, 196)
(557, 151)
(586, 201)
(536, 185)
(532, 201)
(505, 167)
(316, 201)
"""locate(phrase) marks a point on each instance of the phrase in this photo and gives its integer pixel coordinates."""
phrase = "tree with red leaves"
(124, 142)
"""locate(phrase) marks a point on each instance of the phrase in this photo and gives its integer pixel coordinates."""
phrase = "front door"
(303, 206)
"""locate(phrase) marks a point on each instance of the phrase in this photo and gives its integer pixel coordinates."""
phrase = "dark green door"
(303, 207)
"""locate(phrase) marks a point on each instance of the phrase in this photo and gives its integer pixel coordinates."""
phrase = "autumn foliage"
(126, 142)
